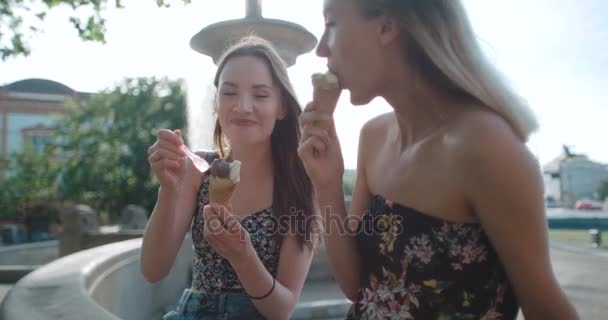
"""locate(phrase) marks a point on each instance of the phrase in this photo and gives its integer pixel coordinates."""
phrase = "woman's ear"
(388, 30)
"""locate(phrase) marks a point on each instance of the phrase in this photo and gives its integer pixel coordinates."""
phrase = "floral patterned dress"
(211, 273)
(415, 266)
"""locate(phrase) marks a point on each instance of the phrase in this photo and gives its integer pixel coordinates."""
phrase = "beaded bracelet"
(274, 282)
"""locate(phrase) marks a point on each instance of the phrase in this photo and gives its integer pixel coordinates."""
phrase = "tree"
(602, 190)
(19, 19)
(29, 185)
(105, 142)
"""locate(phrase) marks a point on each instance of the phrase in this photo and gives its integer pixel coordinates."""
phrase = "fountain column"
(291, 40)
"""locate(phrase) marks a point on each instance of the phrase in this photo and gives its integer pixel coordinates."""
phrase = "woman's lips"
(243, 122)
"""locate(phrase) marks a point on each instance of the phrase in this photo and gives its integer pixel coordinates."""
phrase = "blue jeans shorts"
(213, 306)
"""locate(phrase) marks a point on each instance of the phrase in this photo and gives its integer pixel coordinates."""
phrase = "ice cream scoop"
(325, 81)
(224, 177)
(326, 91)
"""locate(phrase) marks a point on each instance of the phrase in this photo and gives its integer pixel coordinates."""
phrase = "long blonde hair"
(441, 43)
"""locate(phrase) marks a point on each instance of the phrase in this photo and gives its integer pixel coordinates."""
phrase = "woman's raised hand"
(168, 161)
(320, 148)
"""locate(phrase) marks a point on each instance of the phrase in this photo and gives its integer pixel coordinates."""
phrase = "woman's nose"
(322, 49)
(245, 103)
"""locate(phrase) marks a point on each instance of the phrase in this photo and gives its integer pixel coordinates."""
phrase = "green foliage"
(349, 181)
(99, 155)
(31, 185)
(602, 190)
(105, 141)
(20, 19)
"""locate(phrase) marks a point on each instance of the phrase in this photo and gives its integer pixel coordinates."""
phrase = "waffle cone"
(220, 190)
(325, 92)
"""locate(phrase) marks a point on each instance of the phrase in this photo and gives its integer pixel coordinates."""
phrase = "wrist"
(167, 193)
(243, 262)
(328, 193)
(328, 182)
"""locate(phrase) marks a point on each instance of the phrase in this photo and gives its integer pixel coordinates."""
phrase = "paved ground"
(584, 278)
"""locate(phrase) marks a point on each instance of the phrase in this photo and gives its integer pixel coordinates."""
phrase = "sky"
(551, 51)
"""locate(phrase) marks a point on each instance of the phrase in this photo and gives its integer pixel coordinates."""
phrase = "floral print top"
(415, 266)
(211, 273)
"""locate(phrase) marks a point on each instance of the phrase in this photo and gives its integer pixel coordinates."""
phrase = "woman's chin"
(248, 140)
(357, 99)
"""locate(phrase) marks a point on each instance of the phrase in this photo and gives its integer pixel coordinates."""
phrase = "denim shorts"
(213, 306)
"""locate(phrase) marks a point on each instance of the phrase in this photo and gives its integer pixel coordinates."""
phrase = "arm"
(165, 232)
(504, 187)
(173, 212)
(294, 262)
(320, 152)
(341, 246)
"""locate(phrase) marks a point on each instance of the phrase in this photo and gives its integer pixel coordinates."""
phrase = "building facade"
(26, 112)
(572, 177)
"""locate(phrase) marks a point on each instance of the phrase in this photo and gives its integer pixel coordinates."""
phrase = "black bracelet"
(274, 282)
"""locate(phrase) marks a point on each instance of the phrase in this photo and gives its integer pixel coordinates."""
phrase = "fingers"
(210, 214)
(220, 219)
(162, 160)
(312, 146)
(315, 119)
(312, 117)
(165, 164)
(318, 133)
(166, 147)
(230, 222)
(222, 211)
(164, 154)
(310, 106)
(233, 225)
(322, 136)
(173, 137)
(211, 222)
(152, 148)
(169, 140)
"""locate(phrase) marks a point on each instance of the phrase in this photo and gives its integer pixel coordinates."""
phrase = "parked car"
(588, 205)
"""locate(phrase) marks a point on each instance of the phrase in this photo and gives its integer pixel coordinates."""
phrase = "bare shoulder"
(481, 137)
(377, 126)
(374, 129)
(486, 153)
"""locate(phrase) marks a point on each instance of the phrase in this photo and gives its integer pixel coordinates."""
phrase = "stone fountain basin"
(105, 283)
(99, 283)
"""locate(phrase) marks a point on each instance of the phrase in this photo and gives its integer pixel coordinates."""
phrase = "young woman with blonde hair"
(448, 200)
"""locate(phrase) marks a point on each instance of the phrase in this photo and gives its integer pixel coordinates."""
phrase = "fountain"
(290, 39)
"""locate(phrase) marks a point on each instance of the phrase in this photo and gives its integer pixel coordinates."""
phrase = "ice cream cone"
(326, 91)
(224, 178)
(220, 190)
